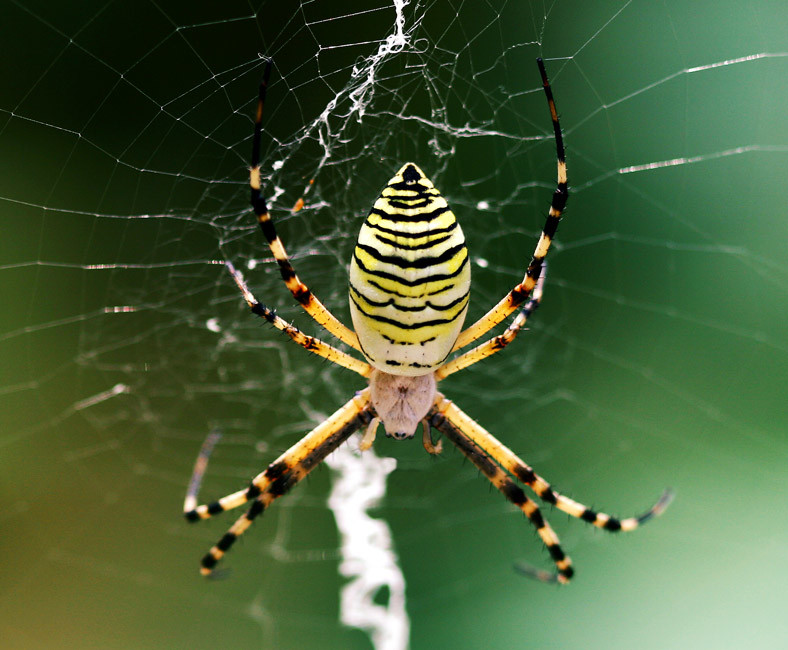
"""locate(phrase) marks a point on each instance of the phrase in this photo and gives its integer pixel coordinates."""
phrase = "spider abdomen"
(409, 277)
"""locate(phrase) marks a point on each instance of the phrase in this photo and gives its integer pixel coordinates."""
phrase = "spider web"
(659, 356)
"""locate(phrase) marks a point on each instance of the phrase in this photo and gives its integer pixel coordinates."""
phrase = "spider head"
(401, 402)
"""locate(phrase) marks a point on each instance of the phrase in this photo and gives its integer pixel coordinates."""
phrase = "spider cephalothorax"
(409, 289)
(401, 402)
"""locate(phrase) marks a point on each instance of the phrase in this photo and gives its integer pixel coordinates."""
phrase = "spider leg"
(310, 343)
(241, 525)
(426, 440)
(300, 291)
(352, 415)
(290, 468)
(497, 343)
(369, 435)
(507, 459)
(200, 465)
(513, 492)
(520, 293)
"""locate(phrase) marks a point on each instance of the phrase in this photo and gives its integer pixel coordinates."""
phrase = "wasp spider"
(409, 288)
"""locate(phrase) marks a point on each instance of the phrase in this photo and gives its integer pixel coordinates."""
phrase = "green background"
(659, 356)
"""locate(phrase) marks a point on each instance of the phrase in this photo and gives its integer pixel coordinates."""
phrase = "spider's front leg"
(493, 457)
(507, 459)
(281, 475)
(479, 457)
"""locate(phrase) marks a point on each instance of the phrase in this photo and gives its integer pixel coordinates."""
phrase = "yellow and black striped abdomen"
(409, 277)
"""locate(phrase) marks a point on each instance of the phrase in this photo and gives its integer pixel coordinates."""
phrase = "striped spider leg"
(295, 463)
(496, 343)
(310, 343)
(279, 477)
(523, 290)
(200, 467)
(409, 292)
(499, 464)
(298, 289)
(480, 446)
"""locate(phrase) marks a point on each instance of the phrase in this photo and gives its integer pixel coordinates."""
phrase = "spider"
(409, 292)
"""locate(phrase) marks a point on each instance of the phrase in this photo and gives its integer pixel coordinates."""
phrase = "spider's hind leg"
(522, 291)
(310, 343)
(297, 288)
